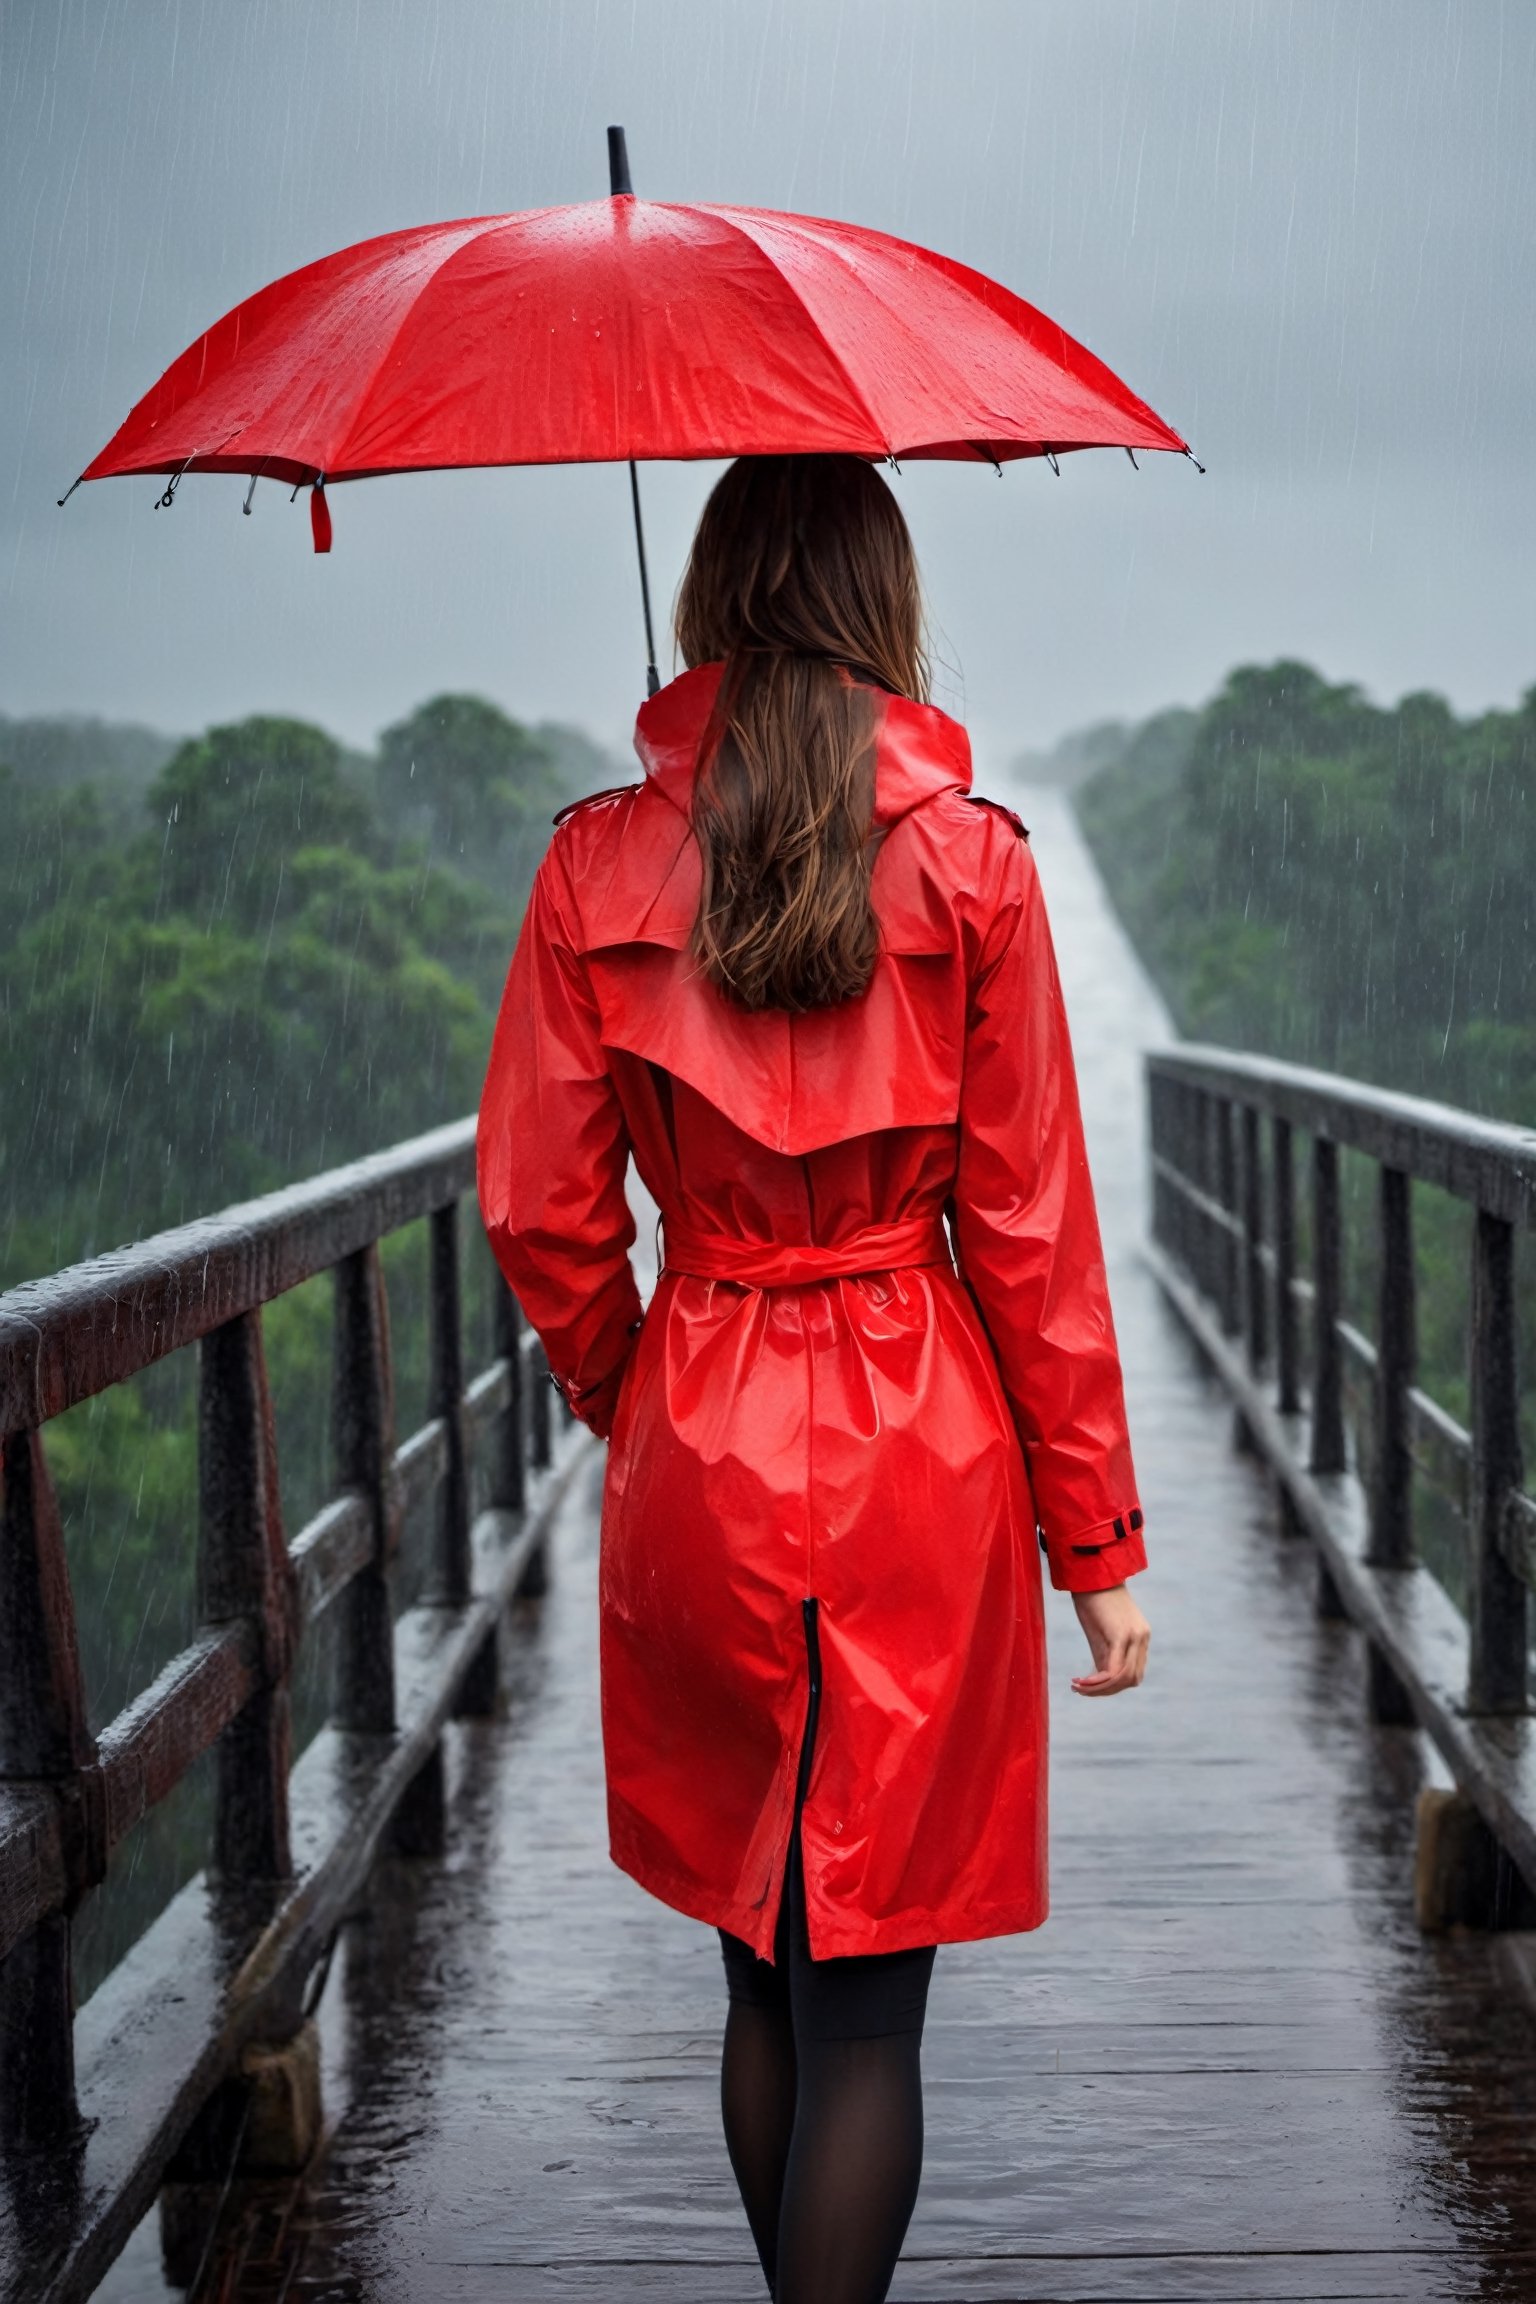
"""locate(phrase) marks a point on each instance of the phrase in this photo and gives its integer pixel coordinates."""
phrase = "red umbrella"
(616, 330)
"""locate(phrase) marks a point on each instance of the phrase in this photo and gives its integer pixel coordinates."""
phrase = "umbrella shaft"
(652, 676)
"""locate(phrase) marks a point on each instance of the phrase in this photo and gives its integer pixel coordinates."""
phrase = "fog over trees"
(265, 957)
(1318, 877)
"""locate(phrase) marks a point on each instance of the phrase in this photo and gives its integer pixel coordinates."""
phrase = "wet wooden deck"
(1228, 2068)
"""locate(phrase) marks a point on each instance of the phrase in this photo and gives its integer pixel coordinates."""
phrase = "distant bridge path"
(1230, 2066)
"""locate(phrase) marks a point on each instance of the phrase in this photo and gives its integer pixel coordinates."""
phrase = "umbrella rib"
(824, 340)
(429, 281)
(882, 304)
(1101, 381)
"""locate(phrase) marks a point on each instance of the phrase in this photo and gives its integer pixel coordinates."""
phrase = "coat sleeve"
(1027, 1232)
(552, 1150)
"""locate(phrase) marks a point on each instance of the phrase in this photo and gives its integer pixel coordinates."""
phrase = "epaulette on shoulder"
(980, 800)
(594, 800)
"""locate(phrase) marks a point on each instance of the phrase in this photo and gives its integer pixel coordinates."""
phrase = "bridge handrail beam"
(66, 1338)
(1489, 1163)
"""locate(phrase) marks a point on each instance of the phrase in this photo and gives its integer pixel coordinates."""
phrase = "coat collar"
(920, 751)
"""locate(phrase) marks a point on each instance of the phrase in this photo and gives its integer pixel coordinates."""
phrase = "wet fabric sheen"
(897, 1363)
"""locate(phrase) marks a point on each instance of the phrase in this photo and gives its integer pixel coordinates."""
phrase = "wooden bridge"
(411, 2039)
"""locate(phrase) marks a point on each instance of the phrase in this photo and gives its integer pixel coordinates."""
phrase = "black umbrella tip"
(618, 166)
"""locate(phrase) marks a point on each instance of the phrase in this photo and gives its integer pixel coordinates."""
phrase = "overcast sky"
(1305, 231)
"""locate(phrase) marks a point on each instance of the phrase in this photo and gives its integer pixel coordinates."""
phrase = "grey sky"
(1305, 232)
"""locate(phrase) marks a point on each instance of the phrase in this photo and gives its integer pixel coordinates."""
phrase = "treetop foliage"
(1344, 883)
(477, 787)
(238, 805)
(269, 959)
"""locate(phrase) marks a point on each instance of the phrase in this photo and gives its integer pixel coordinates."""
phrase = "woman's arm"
(552, 1153)
(1028, 1238)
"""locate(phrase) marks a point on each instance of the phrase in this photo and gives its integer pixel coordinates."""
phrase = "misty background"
(1302, 230)
(270, 818)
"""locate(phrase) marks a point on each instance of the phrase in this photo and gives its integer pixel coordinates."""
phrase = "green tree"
(478, 787)
(58, 847)
(1329, 880)
(237, 805)
(252, 988)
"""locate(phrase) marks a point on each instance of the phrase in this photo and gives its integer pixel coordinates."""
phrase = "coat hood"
(919, 750)
(793, 1083)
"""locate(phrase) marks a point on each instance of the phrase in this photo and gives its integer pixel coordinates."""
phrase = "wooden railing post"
(1327, 1451)
(244, 1572)
(1391, 1541)
(540, 1397)
(1207, 1245)
(1227, 1295)
(1184, 1146)
(508, 1461)
(1162, 1145)
(1254, 1309)
(44, 1736)
(1497, 1606)
(1153, 1115)
(525, 1434)
(1284, 1186)
(451, 1578)
(364, 1420)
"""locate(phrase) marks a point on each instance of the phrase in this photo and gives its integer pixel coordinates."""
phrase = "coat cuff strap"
(1093, 1559)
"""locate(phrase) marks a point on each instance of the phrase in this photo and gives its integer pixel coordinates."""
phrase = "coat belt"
(794, 1264)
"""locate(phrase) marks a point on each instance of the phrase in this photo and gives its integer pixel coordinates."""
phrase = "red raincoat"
(817, 1403)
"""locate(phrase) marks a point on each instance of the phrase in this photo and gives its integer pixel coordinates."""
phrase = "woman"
(808, 983)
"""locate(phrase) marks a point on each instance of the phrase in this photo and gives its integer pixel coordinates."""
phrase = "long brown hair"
(803, 580)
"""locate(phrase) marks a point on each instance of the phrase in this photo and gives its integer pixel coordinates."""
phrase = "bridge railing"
(1224, 1129)
(93, 2109)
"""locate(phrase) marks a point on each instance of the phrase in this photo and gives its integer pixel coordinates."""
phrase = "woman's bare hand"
(1118, 1636)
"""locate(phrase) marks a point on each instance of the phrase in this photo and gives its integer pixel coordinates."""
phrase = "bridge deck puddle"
(1228, 2068)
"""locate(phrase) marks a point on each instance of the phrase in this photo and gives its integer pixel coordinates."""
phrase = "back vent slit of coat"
(808, 1611)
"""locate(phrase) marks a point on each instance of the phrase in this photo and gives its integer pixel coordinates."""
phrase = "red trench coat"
(817, 1403)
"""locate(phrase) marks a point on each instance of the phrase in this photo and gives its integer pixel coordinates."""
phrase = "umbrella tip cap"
(619, 184)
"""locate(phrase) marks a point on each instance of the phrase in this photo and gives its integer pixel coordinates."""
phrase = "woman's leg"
(851, 2180)
(821, 2089)
(856, 2150)
(757, 2089)
(821, 2092)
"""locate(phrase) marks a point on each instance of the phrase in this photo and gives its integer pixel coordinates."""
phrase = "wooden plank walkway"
(1228, 2068)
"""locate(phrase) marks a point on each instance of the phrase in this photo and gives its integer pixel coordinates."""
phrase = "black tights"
(821, 2091)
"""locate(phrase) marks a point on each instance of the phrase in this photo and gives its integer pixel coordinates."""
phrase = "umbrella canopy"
(622, 329)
